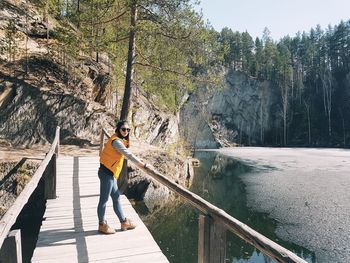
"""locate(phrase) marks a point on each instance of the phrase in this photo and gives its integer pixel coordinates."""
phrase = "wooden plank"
(50, 179)
(69, 231)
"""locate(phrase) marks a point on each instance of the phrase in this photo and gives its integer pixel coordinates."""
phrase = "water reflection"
(218, 180)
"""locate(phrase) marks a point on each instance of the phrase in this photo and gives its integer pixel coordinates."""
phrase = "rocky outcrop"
(34, 106)
(22, 19)
(239, 112)
(43, 100)
(152, 125)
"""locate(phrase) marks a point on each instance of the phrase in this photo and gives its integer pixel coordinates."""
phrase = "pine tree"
(247, 52)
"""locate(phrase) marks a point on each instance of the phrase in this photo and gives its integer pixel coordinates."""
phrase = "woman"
(111, 163)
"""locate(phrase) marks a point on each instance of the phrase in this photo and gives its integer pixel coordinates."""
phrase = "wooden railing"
(213, 223)
(102, 138)
(10, 241)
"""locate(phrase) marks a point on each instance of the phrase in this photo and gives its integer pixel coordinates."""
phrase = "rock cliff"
(33, 106)
(239, 112)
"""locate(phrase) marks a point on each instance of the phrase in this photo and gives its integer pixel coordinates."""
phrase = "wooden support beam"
(102, 137)
(11, 250)
(56, 142)
(212, 241)
(50, 178)
(203, 238)
(217, 242)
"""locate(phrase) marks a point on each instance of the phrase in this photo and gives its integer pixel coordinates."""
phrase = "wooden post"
(203, 238)
(123, 178)
(212, 241)
(57, 148)
(217, 242)
(101, 140)
(50, 179)
(11, 250)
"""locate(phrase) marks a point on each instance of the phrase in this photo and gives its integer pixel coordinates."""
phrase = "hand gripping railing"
(213, 223)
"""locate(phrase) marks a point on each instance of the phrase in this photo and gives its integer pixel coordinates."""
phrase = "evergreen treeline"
(311, 75)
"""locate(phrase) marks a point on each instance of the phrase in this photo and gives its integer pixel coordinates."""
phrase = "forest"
(310, 72)
(167, 49)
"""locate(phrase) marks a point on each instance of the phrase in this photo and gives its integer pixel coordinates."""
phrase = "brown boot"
(105, 229)
(127, 224)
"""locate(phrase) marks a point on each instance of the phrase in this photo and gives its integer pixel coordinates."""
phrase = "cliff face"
(240, 112)
(152, 125)
(33, 106)
(39, 102)
(39, 90)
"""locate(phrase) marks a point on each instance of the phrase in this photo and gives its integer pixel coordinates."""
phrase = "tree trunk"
(261, 123)
(78, 14)
(97, 39)
(307, 107)
(343, 126)
(129, 69)
(26, 52)
(240, 132)
(285, 94)
(327, 98)
(47, 26)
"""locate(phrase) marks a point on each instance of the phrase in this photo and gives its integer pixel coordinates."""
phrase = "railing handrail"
(103, 133)
(265, 245)
(12, 213)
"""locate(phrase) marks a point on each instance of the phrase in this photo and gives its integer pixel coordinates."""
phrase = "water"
(218, 180)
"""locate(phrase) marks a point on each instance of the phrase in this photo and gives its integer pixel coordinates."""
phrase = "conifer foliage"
(152, 44)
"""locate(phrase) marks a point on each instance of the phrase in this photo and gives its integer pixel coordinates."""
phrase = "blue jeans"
(108, 187)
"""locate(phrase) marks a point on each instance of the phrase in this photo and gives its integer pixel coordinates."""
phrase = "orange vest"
(111, 158)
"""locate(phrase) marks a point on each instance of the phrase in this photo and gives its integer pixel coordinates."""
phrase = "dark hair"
(117, 128)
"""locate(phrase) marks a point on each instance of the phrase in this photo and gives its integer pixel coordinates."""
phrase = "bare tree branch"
(174, 37)
(163, 69)
(105, 22)
(119, 39)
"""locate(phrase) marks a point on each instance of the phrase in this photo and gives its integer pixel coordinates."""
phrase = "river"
(299, 198)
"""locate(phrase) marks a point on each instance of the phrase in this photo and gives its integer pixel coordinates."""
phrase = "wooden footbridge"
(69, 229)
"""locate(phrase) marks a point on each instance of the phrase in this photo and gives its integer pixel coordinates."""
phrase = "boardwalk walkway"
(69, 231)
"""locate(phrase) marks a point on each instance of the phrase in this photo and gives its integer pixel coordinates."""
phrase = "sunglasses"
(125, 129)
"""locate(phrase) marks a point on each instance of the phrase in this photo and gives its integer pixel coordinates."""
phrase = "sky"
(281, 17)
